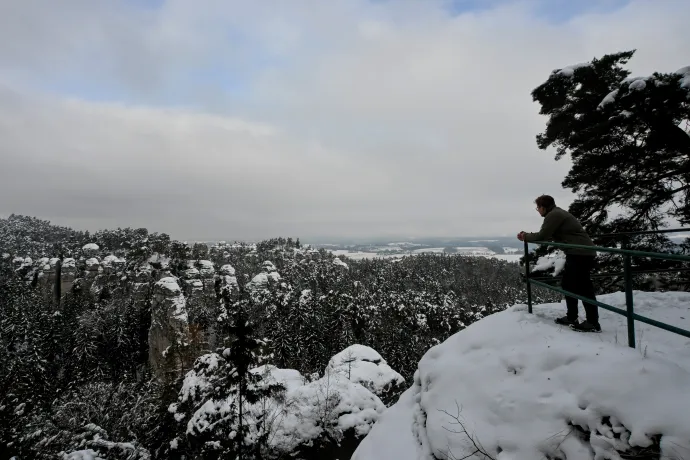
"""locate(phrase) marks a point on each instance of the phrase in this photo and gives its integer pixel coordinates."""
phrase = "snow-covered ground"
(518, 383)
(464, 251)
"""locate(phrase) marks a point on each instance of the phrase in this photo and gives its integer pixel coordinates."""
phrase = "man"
(562, 227)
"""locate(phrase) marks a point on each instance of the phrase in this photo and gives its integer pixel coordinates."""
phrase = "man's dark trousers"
(576, 279)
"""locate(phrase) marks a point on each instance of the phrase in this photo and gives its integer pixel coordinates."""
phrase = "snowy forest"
(120, 326)
(127, 344)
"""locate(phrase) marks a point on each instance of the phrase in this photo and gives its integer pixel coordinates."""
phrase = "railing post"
(529, 286)
(627, 267)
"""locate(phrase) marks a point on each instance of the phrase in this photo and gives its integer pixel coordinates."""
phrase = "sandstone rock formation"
(90, 250)
(169, 330)
(68, 274)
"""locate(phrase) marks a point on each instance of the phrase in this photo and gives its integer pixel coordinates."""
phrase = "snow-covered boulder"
(319, 419)
(268, 267)
(84, 454)
(206, 269)
(345, 408)
(521, 387)
(363, 365)
(340, 263)
(169, 328)
(90, 249)
(112, 264)
(262, 280)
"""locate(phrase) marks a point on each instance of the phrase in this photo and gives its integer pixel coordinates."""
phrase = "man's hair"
(545, 201)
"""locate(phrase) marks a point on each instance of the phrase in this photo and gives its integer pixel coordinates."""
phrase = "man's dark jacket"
(562, 227)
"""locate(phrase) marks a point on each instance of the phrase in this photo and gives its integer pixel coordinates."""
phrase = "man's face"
(541, 210)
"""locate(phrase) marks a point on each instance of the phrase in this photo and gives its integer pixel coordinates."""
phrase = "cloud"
(220, 119)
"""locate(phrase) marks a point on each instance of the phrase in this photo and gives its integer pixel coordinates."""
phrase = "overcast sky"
(235, 119)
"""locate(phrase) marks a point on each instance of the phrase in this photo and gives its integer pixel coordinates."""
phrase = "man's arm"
(548, 228)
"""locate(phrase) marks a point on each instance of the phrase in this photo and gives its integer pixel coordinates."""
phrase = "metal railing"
(627, 273)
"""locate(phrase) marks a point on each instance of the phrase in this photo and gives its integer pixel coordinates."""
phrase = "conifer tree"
(629, 142)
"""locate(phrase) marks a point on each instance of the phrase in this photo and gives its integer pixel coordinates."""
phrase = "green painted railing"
(627, 273)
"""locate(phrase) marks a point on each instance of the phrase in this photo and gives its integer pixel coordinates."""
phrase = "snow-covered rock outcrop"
(90, 249)
(324, 418)
(68, 274)
(169, 327)
(364, 365)
(228, 280)
(519, 387)
(207, 273)
(268, 274)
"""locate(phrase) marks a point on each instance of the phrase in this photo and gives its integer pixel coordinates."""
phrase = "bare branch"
(476, 444)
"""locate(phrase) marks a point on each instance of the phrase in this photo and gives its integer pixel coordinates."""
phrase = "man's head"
(545, 203)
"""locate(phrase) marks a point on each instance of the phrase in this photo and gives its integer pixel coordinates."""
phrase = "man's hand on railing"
(521, 236)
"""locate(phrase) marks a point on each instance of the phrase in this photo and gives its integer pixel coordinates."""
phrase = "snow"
(638, 85)
(340, 263)
(206, 268)
(608, 99)
(197, 285)
(291, 378)
(191, 273)
(261, 280)
(227, 269)
(555, 261)
(196, 384)
(109, 259)
(92, 263)
(363, 365)
(91, 247)
(268, 266)
(474, 251)
(508, 257)
(516, 380)
(161, 259)
(569, 71)
(685, 73)
(303, 413)
(356, 255)
(349, 404)
(69, 263)
(87, 454)
(169, 285)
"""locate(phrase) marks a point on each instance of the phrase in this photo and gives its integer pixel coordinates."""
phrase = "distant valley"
(503, 248)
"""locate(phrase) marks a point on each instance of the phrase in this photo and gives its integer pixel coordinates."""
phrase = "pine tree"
(628, 139)
(228, 430)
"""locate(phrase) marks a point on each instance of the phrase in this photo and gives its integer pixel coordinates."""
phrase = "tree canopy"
(627, 138)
